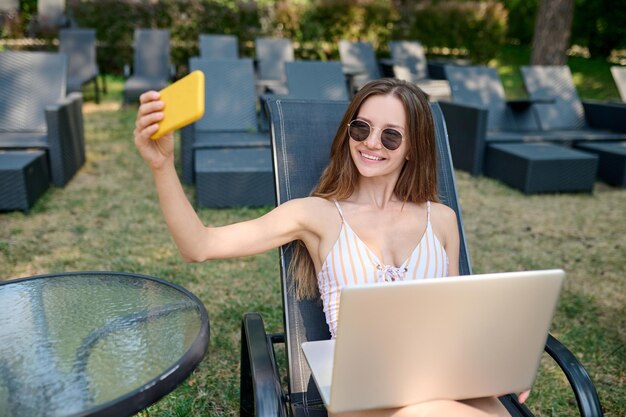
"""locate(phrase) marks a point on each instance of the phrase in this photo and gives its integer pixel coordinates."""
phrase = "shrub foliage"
(474, 28)
(599, 25)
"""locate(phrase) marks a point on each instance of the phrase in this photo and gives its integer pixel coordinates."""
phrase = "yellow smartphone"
(184, 103)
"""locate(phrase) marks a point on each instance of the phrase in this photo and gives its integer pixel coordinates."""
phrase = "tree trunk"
(553, 27)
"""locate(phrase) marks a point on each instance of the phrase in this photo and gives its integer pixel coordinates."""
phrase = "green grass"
(592, 76)
(108, 218)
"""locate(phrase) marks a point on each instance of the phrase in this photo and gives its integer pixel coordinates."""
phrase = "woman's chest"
(390, 239)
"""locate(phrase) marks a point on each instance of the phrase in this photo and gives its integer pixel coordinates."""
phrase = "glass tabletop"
(95, 343)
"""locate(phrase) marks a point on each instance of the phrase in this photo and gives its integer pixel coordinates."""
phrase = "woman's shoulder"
(314, 214)
(442, 214)
(446, 227)
(310, 202)
(310, 207)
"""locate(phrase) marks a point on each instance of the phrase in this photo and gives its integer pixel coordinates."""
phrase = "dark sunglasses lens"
(391, 139)
(359, 130)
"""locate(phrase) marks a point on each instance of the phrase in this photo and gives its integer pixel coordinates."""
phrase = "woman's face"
(371, 158)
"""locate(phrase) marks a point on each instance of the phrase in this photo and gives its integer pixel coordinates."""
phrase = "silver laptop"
(454, 338)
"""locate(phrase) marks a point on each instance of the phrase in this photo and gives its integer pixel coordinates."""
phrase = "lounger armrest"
(78, 125)
(467, 131)
(513, 406)
(584, 390)
(523, 104)
(187, 138)
(261, 393)
(62, 141)
(604, 115)
(523, 114)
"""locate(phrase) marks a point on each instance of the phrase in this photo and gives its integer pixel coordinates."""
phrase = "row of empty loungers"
(227, 153)
(550, 142)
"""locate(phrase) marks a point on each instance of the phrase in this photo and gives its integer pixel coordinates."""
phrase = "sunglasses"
(359, 130)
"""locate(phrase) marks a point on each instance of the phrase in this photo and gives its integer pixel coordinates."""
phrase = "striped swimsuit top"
(350, 262)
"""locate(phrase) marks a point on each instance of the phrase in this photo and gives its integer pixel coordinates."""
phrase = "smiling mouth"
(371, 157)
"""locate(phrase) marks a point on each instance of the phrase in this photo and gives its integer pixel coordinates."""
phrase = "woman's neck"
(376, 192)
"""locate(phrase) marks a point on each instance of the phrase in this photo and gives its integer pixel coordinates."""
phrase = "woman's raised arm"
(195, 241)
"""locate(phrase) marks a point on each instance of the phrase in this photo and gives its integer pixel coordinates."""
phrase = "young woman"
(374, 216)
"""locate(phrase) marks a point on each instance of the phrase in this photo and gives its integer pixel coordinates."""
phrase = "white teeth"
(371, 157)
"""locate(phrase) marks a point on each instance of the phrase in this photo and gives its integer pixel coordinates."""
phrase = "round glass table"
(95, 343)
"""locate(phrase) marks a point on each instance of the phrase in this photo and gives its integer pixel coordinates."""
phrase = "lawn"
(592, 76)
(108, 218)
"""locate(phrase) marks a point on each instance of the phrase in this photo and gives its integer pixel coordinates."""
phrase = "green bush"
(522, 15)
(478, 27)
(10, 25)
(14, 23)
(324, 25)
(115, 21)
(315, 26)
(600, 25)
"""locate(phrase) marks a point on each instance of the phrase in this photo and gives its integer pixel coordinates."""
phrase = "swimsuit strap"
(339, 209)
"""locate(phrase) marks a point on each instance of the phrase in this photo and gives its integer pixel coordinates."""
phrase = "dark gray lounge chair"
(218, 47)
(316, 80)
(564, 113)
(408, 62)
(611, 160)
(24, 177)
(36, 113)
(359, 62)
(230, 119)
(619, 75)
(151, 63)
(301, 135)
(579, 122)
(271, 56)
(80, 47)
(311, 80)
(541, 167)
(479, 115)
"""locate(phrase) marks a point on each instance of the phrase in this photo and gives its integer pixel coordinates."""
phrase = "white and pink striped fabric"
(350, 262)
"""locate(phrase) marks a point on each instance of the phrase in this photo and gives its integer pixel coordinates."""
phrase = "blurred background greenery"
(473, 29)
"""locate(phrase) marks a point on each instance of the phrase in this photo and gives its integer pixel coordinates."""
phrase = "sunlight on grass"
(508, 62)
(592, 77)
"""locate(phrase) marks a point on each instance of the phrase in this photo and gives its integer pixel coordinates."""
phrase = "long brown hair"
(417, 182)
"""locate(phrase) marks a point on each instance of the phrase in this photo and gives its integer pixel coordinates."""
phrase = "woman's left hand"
(523, 396)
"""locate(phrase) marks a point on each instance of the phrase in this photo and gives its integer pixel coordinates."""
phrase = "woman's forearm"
(182, 220)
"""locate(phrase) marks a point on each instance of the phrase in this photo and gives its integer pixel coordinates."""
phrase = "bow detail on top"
(390, 273)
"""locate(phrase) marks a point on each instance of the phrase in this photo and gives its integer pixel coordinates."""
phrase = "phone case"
(184, 103)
